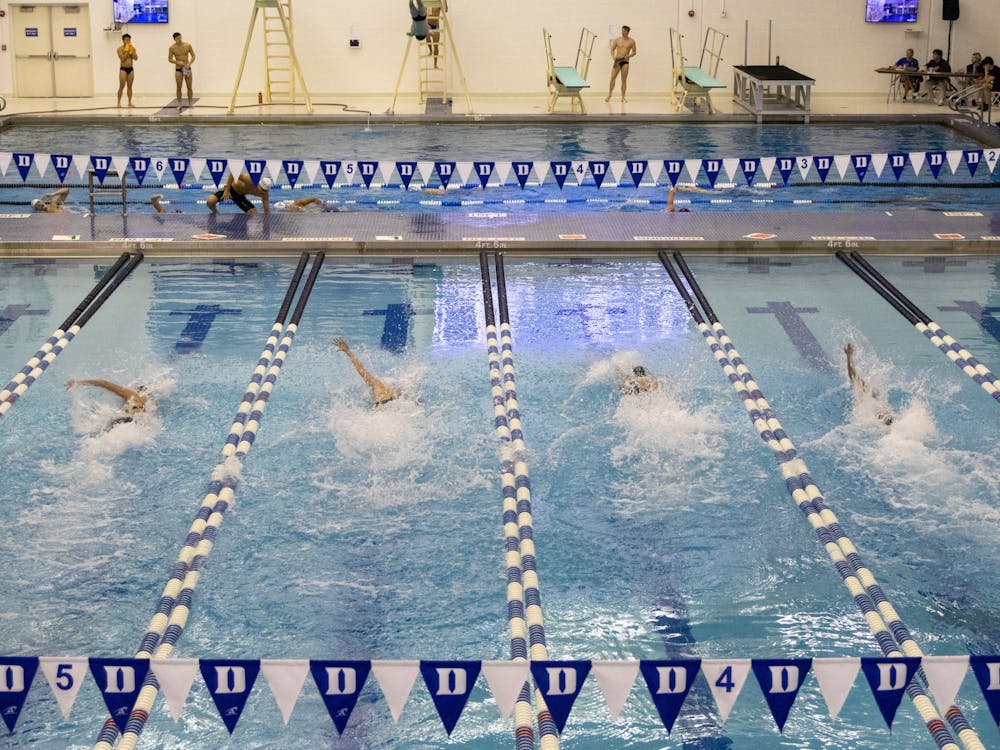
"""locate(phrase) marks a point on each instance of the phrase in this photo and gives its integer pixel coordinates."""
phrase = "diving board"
(691, 83)
(563, 80)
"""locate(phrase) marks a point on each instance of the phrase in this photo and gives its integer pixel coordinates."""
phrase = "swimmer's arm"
(633, 50)
(370, 379)
(170, 56)
(190, 51)
(266, 200)
(124, 393)
(57, 196)
(670, 199)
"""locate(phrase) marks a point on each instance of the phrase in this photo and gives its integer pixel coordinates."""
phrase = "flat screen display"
(892, 11)
(141, 11)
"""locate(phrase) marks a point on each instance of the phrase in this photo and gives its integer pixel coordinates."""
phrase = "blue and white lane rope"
(524, 731)
(167, 624)
(890, 633)
(957, 353)
(514, 466)
(62, 336)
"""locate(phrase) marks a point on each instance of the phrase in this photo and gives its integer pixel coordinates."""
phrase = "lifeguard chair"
(432, 56)
(569, 81)
(695, 83)
(281, 66)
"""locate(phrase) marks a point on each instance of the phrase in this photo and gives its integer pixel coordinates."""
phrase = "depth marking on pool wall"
(198, 325)
(798, 332)
(935, 263)
(10, 314)
(984, 316)
(759, 265)
(397, 325)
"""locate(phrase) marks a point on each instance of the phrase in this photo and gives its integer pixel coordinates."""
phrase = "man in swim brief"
(181, 55)
(237, 191)
(126, 71)
(622, 50)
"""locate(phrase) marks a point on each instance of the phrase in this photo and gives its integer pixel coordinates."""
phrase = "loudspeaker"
(949, 10)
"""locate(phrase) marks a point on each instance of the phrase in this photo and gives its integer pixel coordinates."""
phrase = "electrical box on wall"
(353, 43)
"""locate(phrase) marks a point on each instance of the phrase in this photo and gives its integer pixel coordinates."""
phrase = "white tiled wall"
(501, 49)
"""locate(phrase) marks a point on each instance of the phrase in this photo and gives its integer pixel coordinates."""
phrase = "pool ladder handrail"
(97, 189)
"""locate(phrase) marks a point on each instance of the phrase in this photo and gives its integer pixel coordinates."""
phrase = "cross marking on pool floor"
(984, 316)
(759, 265)
(798, 332)
(397, 325)
(934, 263)
(198, 325)
(10, 314)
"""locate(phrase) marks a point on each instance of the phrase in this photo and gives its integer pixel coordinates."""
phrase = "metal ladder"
(279, 75)
(96, 189)
(432, 80)
(280, 62)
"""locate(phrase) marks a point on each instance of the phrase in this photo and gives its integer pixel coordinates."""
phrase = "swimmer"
(51, 203)
(673, 192)
(135, 400)
(623, 49)
(638, 381)
(236, 190)
(418, 29)
(884, 413)
(381, 393)
(155, 200)
(301, 204)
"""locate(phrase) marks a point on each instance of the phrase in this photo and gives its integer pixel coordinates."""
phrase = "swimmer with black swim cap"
(134, 399)
(639, 381)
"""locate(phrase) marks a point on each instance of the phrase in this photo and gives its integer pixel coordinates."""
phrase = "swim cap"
(36, 203)
(265, 183)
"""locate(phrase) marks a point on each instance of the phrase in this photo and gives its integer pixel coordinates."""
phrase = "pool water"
(577, 144)
(662, 525)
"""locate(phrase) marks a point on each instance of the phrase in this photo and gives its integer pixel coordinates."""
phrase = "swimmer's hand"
(70, 384)
(341, 344)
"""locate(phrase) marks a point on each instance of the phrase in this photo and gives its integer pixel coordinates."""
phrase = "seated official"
(937, 87)
(909, 82)
(974, 70)
(990, 82)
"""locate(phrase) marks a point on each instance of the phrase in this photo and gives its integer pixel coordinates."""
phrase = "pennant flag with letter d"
(230, 681)
(888, 677)
(16, 674)
(340, 683)
(669, 683)
(780, 680)
(119, 681)
(559, 683)
(450, 683)
(987, 671)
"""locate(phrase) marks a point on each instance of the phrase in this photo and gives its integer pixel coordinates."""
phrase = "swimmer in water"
(672, 193)
(381, 393)
(134, 400)
(638, 381)
(51, 203)
(884, 412)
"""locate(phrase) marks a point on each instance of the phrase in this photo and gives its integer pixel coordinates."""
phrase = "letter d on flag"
(669, 683)
(230, 681)
(340, 683)
(888, 677)
(16, 674)
(780, 680)
(450, 683)
(560, 683)
(119, 681)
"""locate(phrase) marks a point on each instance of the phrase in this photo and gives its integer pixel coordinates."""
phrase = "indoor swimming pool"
(662, 525)
(371, 164)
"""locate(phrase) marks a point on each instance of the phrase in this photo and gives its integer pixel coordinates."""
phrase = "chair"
(569, 81)
(695, 83)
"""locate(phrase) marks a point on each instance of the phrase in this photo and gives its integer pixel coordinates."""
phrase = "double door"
(52, 55)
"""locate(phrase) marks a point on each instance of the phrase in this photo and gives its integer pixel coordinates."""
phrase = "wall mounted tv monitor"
(141, 11)
(892, 11)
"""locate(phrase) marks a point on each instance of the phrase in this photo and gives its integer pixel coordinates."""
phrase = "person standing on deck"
(181, 55)
(623, 49)
(126, 68)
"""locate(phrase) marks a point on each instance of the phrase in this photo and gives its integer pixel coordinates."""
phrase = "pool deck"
(392, 233)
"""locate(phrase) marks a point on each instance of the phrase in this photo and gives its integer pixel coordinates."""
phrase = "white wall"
(500, 44)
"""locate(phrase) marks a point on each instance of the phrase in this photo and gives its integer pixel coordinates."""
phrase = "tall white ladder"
(281, 66)
(432, 60)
